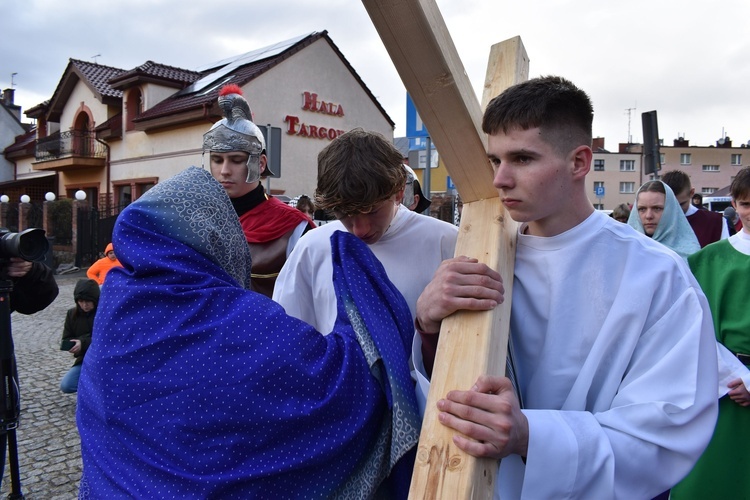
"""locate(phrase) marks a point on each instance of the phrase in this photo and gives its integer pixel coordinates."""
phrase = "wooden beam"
(416, 38)
(471, 343)
(507, 66)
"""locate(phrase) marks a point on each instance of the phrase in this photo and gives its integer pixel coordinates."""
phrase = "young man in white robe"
(361, 179)
(612, 338)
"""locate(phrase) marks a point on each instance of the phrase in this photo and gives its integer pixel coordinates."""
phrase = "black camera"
(30, 244)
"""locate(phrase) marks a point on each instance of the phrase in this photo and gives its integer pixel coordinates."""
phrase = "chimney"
(681, 142)
(597, 144)
(8, 96)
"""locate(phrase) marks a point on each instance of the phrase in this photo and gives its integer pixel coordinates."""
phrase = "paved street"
(49, 449)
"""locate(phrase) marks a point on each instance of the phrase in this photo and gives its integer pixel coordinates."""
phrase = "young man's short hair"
(356, 171)
(677, 180)
(561, 110)
(740, 187)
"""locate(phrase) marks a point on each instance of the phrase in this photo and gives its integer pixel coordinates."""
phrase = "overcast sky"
(689, 60)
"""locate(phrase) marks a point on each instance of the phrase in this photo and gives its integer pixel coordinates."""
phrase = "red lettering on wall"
(295, 127)
(310, 103)
(292, 121)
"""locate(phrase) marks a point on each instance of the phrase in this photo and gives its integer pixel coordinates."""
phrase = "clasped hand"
(488, 417)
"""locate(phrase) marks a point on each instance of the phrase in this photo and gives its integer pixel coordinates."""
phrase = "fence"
(77, 232)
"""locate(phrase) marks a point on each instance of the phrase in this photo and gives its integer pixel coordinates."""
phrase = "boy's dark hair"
(677, 180)
(740, 187)
(561, 110)
(356, 171)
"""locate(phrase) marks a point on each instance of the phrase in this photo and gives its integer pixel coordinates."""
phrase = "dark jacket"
(79, 324)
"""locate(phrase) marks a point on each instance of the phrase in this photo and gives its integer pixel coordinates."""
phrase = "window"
(627, 187)
(129, 190)
(143, 187)
(598, 184)
(599, 165)
(662, 159)
(685, 159)
(627, 165)
(708, 190)
(124, 195)
(710, 168)
(737, 159)
(599, 206)
(134, 108)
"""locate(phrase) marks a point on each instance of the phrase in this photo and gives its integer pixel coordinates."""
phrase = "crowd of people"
(239, 350)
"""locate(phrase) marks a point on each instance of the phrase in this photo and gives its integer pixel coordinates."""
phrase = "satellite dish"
(721, 141)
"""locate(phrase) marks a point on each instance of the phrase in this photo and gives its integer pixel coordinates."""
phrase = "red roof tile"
(99, 76)
(151, 71)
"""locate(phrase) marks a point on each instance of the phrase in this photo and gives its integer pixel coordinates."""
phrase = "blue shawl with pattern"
(673, 230)
(195, 387)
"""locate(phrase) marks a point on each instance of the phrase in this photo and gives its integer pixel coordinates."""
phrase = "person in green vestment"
(723, 271)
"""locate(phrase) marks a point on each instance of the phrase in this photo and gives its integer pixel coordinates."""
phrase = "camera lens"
(30, 244)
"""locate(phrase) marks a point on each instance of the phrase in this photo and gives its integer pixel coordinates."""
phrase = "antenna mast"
(630, 112)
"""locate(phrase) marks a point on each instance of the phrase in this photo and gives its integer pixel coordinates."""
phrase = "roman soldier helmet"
(412, 187)
(236, 131)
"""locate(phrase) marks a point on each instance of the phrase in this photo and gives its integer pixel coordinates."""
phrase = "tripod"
(10, 405)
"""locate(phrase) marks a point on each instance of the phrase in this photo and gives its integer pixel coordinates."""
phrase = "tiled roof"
(178, 103)
(110, 129)
(206, 96)
(156, 72)
(96, 76)
(38, 110)
(199, 89)
(99, 76)
(24, 143)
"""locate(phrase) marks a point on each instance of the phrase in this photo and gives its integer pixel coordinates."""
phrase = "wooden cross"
(471, 343)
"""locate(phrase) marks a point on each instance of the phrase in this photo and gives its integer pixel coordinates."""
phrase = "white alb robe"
(616, 361)
(410, 250)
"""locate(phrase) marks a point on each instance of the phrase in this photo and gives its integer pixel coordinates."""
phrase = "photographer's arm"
(34, 286)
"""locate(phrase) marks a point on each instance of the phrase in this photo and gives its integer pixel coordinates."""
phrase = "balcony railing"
(70, 143)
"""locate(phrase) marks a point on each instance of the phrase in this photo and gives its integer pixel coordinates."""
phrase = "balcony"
(70, 150)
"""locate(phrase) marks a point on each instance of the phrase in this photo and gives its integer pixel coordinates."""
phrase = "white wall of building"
(82, 96)
(9, 129)
(279, 93)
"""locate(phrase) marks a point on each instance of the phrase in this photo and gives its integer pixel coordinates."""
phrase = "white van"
(717, 203)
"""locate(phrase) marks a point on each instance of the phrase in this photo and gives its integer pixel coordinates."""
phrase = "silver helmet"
(408, 200)
(236, 131)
